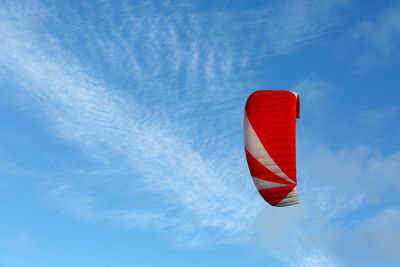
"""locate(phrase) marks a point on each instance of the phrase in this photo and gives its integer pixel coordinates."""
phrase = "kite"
(270, 144)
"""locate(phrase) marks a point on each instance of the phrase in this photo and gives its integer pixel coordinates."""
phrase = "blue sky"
(121, 132)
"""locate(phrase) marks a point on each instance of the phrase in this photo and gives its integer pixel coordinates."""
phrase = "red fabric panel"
(275, 195)
(259, 171)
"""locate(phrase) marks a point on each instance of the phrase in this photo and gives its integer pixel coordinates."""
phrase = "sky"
(121, 140)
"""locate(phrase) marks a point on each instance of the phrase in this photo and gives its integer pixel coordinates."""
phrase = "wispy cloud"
(374, 41)
(336, 187)
(152, 93)
(376, 235)
(314, 96)
(197, 193)
(173, 63)
(337, 184)
(377, 118)
(297, 24)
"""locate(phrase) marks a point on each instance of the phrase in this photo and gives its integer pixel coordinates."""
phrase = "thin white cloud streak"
(297, 24)
(155, 50)
(197, 194)
(315, 259)
(84, 204)
(186, 64)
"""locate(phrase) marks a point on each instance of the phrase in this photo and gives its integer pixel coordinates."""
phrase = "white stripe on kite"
(290, 199)
(258, 151)
(263, 184)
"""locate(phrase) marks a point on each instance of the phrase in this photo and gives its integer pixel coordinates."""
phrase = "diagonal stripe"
(290, 199)
(258, 151)
(259, 171)
(276, 195)
(263, 184)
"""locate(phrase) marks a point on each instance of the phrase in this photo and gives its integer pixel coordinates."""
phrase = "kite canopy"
(270, 144)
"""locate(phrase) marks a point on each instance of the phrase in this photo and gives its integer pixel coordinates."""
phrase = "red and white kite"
(270, 144)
